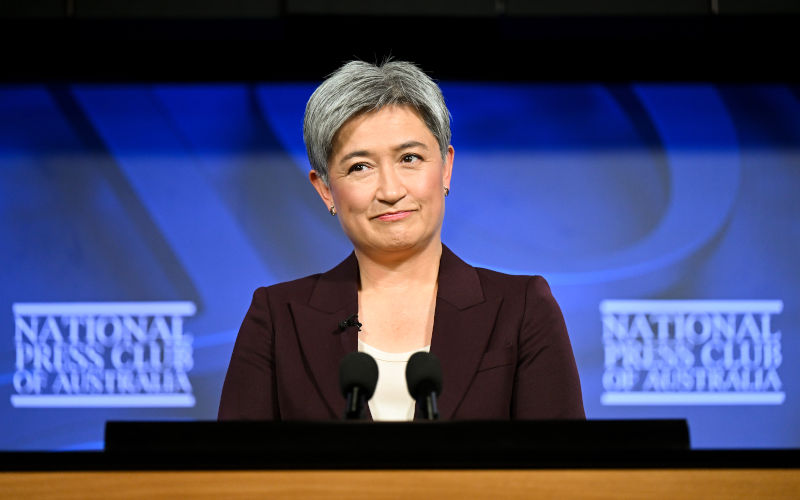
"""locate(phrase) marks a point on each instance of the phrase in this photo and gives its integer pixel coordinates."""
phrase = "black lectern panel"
(394, 445)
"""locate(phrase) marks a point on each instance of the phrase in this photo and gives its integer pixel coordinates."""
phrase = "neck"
(414, 268)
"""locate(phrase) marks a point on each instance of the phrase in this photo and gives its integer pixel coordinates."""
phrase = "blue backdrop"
(199, 193)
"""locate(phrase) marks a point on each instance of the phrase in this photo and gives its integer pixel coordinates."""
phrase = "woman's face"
(386, 179)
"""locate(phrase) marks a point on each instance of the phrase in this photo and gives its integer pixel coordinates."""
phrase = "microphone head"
(358, 369)
(423, 375)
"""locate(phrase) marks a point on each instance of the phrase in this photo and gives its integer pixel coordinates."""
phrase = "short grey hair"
(360, 87)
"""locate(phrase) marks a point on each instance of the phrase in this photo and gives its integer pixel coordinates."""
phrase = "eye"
(411, 158)
(358, 167)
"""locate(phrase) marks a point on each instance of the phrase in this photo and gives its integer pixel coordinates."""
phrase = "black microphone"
(352, 320)
(358, 376)
(424, 379)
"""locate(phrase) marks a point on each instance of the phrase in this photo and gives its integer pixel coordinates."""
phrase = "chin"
(396, 245)
(401, 243)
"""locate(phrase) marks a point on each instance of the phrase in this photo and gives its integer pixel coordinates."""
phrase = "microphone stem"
(355, 404)
(431, 410)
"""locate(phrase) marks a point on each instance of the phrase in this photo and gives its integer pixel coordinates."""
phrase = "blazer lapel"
(462, 325)
(323, 343)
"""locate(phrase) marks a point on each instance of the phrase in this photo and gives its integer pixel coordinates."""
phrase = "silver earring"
(332, 210)
(446, 192)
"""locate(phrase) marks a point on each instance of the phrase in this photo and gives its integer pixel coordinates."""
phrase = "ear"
(447, 171)
(323, 190)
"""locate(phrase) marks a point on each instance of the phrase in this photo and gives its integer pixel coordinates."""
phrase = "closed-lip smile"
(392, 216)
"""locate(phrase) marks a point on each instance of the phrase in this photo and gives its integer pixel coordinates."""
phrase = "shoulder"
(297, 289)
(531, 287)
(529, 295)
(462, 279)
(330, 287)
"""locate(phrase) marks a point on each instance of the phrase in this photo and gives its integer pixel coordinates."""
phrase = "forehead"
(389, 125)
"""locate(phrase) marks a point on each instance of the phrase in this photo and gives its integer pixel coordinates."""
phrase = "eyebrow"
(411, 144)
(364, 152)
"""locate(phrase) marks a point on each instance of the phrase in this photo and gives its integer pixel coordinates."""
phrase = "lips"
(393, 216)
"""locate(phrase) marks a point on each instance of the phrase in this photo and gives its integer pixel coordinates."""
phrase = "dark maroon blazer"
(501, 340)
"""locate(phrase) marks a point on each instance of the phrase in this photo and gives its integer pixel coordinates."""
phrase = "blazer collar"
(338, 288)
(463, 322)
(458, 281)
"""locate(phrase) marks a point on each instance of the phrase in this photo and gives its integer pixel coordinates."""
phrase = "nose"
(391, 188)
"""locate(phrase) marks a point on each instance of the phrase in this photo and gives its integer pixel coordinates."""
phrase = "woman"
(378, 139)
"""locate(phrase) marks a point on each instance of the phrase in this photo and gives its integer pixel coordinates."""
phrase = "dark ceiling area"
(540, 40)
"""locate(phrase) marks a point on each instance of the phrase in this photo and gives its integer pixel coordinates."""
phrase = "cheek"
(351, 199)
(430, 185)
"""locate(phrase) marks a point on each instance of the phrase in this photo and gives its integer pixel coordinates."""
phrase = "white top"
(391, 400)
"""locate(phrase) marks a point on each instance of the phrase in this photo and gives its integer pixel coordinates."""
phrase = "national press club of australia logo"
(102, 354)
(691, 352)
